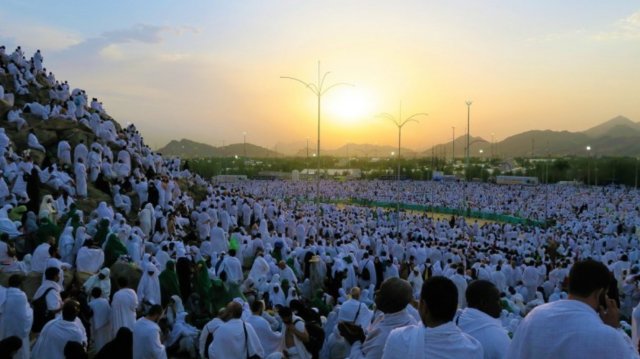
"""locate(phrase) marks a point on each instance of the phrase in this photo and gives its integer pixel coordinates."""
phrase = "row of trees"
(594, 171)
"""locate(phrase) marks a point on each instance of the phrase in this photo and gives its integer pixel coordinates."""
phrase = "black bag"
(221, 273)
(207, 342)
(365, 275)
(246, 340)
(41, 315)
(316, 338)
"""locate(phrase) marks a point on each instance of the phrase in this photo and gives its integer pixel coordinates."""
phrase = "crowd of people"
(170, 264)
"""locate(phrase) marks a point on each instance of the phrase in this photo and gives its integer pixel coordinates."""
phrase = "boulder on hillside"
(130, 271)
(6, 103)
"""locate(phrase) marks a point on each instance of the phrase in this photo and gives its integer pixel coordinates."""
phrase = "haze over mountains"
(618, 136)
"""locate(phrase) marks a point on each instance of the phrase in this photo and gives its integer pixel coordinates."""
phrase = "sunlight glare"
(349, 105)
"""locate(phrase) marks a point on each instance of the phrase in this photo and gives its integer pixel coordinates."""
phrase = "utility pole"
(453, 145)
(318, 89)
(244, 147)
(468, 139)
(399, 122)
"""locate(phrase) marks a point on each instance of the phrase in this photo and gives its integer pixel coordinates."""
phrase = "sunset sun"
(349, 105)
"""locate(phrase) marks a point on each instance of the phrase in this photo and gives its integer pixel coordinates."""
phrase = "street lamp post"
(318, 89)
(588, 165)
(453, 145)
(636, 179)
(399, 122)
(244, 144)
(468, 134)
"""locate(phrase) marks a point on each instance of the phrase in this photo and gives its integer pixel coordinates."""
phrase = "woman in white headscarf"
(48, 208)
(149, 286)
(103, 211)
(174, 308)
(147, 220)
(292, 295)
(66, 243)
(101, 280)
(276, 295)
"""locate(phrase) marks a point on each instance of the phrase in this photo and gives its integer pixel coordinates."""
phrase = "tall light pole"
(492, 145)
(400, 122)
(453, 145)
(588, 165)
(244, 144)
(468, 134)
(636, 179)
(318, 89)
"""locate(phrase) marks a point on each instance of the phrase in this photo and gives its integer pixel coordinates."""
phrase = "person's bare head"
(355, 293)
(234, 310)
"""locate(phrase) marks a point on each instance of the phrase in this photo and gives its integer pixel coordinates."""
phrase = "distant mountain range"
(190, 149)
(618, 136)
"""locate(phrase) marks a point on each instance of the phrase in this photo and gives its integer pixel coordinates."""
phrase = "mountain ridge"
(618, 136)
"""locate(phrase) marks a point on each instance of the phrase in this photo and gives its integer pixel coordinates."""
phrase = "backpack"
(41, 314)
(365, 275)
(316, 338)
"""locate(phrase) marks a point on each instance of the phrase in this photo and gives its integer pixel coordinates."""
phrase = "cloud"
(105, 46)
(112, 52)
(623, 29)
(150, 34)
(33, 36)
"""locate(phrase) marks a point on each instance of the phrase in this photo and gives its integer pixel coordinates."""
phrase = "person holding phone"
(585, 325)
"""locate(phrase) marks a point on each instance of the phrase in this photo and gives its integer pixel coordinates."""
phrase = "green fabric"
(203, 284)
(16, 213)
(320, 304)
(219, 296)
(291, 264)
(222, 294)
(233, 242)
(103, 231)
(113, 250)
(169, 282)
(68, 215)
(277, 255)
(45, 230)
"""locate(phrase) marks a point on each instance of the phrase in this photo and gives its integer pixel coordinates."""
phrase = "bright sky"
(210, 70)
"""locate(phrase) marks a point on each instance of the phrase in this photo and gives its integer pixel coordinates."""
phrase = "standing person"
(437, 336)
(17, 316)
(100, 320)
(123, 307)
(80, 172)
(295, 335)
(235, 338)
(149, 286)
(481, 319)
(583, 326)
(146, 336)
(353, 310)
(50, 290)
(269, 339)
(169, 285)
(57, 333)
